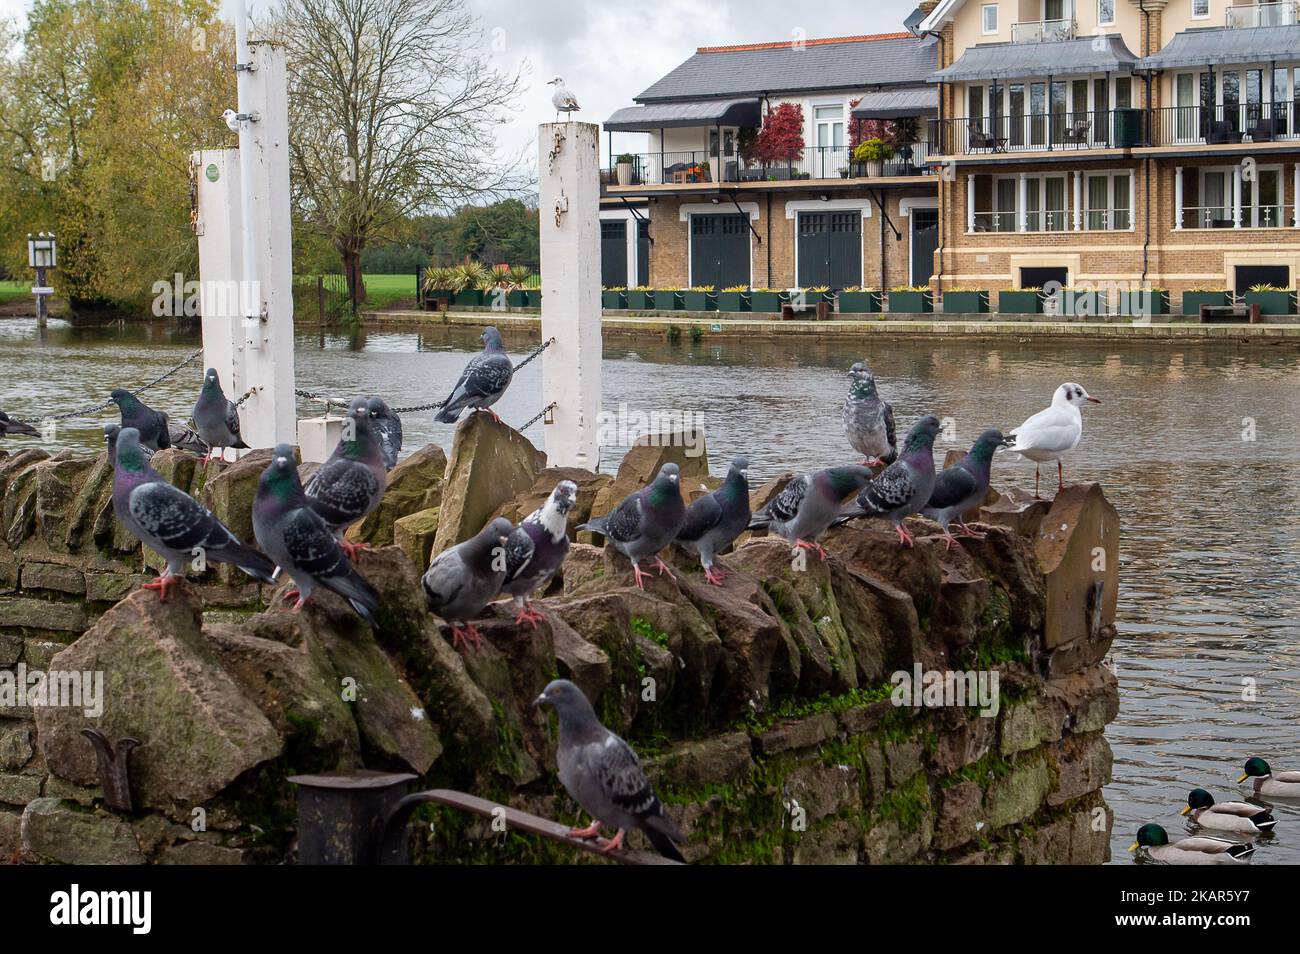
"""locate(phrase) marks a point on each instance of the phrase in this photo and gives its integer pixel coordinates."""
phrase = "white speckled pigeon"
(536, 549)
(463, 579)
(300, 542)
(351, 482)
(171, 522)
(868, 420)
(715, 520)
(904, 487)
(215, 417)
(151, 424)
(963, 486)
(809, 504)
(9, 427)
(388, 429)
(645, 522)
(603, 775)
(483, 381)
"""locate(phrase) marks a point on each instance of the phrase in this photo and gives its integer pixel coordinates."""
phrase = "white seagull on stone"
(562, 99)
(1053, 432)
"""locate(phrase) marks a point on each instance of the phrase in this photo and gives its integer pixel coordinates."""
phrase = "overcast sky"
(610, 50)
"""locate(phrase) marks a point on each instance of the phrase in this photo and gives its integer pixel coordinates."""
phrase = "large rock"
(414, 486)
(62, 832)
(229, 494)
(57, 483)
(414, 535)
(641, 464)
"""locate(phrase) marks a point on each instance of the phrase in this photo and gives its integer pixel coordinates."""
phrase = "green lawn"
(10, 291)
(383, 290)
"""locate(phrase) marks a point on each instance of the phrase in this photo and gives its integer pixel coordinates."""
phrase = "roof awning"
(1206, 47)
(999, 61)
(709, 112)
(897, 103)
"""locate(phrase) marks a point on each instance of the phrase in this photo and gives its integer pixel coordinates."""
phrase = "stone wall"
(770, 732)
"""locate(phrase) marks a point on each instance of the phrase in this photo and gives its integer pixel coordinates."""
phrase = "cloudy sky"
(609, 50)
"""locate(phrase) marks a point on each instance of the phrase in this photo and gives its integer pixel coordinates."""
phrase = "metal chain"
(140, 390)
(545, 344)
(537, 417)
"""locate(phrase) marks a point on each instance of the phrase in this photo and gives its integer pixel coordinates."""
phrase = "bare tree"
(393, 106)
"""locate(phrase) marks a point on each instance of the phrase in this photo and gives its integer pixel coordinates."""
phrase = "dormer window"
(1200, 9)
(1105, 12)
(989, 18)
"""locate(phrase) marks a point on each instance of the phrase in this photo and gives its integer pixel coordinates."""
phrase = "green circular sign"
(212, 172)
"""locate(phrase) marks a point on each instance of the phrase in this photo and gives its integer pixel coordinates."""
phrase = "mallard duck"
(1228, 816)
(1154, 843)
(1268, 782)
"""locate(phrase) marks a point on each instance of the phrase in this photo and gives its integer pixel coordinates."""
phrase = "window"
(989, 18)
(1105, 12)
(1107, 198)
(1200, 9)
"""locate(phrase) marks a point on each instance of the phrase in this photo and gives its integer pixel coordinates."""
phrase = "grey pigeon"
(351, 482)
(715, 520)
(904, 487)
(536, 549)
(463, 579)
(300, 542)
(9, 427)
(151, 424)
(187, 439)
(171, 522)
(215, 416)
(809, 504)
(868, 420)
(483, 381)
(645, 522)
(388, 429)
(963, 486)
(603, 775)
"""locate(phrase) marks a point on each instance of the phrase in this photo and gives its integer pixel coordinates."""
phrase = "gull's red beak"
(1094, 400)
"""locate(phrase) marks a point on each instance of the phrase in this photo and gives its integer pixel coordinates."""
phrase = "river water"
(1198, 447)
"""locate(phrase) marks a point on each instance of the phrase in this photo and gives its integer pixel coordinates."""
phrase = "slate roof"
(1203, 47)
(1019, 60)
(724, 112)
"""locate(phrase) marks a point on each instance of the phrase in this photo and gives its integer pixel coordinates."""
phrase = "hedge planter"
(613, 300)
(1142, 304)
(1272, 302)
(966, 303)
(768, 302)
(698, 301)
(640, 299)
(1192, 301)
(1083, 304)
(472, 298)
(517, 298)
(733, 301)
(667, 300)
(860, 303)
(534, 298)
(910, 303)
(1020, 303)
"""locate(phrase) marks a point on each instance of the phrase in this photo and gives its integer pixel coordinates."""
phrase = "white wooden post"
(1178, 197)
(1295, 197)
(568, 174)
(1022, 203)
(1132, 200)
(1236, 196)
(970, 203)
(1078, 201)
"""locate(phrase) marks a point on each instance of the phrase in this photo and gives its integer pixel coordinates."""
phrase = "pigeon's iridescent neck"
(863, 388)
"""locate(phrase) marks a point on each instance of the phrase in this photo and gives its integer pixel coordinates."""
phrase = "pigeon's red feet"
(530, 616)
(714, 576)
(904, 537)
(873, 462)
(613, 844)
(949, 541)
(162, 584)
(465, 635)
(591, 831)
(352, 549)
(662, 567)
(640, 575)
(496, 417)
(811, 545)
(968, 531)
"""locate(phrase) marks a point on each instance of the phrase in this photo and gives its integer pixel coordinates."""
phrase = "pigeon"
(388, 429)
(463, 579)
(868, 420)
(216, 418)
(9, 427)
(152, 425)
(963, 486)
(1270, 783)
(296, 537)
(1052, 433)
(715, 520)
(483, 381)
(809, 504)
(536, 549)
(187, 439)
(563, 100)
(645, 522)
(171, 522)
(603, 775)
(1153, 842)
(110, 442)
(1227, 816)
(350, 484)
(904, 487)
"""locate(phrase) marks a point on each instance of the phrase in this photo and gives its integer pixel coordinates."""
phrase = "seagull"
(562, 99)
(232, 119)
(1054, 432)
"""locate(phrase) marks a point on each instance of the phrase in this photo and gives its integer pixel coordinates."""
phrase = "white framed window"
(989, 18)
(1200, 9)
(1105, 12)
(1107, 202)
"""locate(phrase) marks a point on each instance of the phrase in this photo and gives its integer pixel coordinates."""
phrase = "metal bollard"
(341, 815)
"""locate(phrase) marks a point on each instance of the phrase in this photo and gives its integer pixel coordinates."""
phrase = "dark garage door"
(613, 253)
(925, 239)
(1279, 276)
(830, 249)
(719, 250)
(642, 252)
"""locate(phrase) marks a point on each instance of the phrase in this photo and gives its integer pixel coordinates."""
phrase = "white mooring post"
(568, 171)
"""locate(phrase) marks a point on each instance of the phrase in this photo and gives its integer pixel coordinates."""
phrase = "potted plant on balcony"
(704, 172)
(903, 133)
(911, 300)
(965, 301)
(766, 300)
(1020, 301)
(1143, 303)
(699, 298)
(623, 168)
(873, 154)
(1194, 298)
(860, 301)
(780, 140)
(667, 299)
(614, 297)
(1271, 299)
(734, 298)
(640, 297)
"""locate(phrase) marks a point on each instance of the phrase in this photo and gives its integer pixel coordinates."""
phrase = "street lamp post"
(42, 254)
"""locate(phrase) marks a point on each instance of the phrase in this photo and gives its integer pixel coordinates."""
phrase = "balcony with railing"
(1251, 16)
(1226, 125)
(699, 167)
(1043, 31)
(1040, 132)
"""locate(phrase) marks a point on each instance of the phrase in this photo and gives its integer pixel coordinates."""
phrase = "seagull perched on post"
(562, 99)
(1053, 432)
(232, 119)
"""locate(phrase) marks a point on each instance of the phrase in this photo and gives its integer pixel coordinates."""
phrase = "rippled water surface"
(1211, 521)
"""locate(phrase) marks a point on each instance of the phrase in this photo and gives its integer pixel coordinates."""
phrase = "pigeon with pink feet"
(963, 486)
(904, 487)
(645, 522)
(463, 579)
(715, 520)
(536, 549)
(216, 419)
(809, 504)
(351, 482)
(482, 383)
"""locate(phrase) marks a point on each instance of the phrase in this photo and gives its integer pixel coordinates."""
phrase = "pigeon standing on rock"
(868, 420)
(216, 418)
(645, 522)
(9, 427)
(809, 504)
(463, 579)
(1053, 432)
(603, 775)
(715, 520)
(483, 381)
(904, 487)
(536, 549)
(962, 486)
(388, 429)
(301, 543)
(171, 522)
(110, 442)
(351, 482)
(152, 425)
